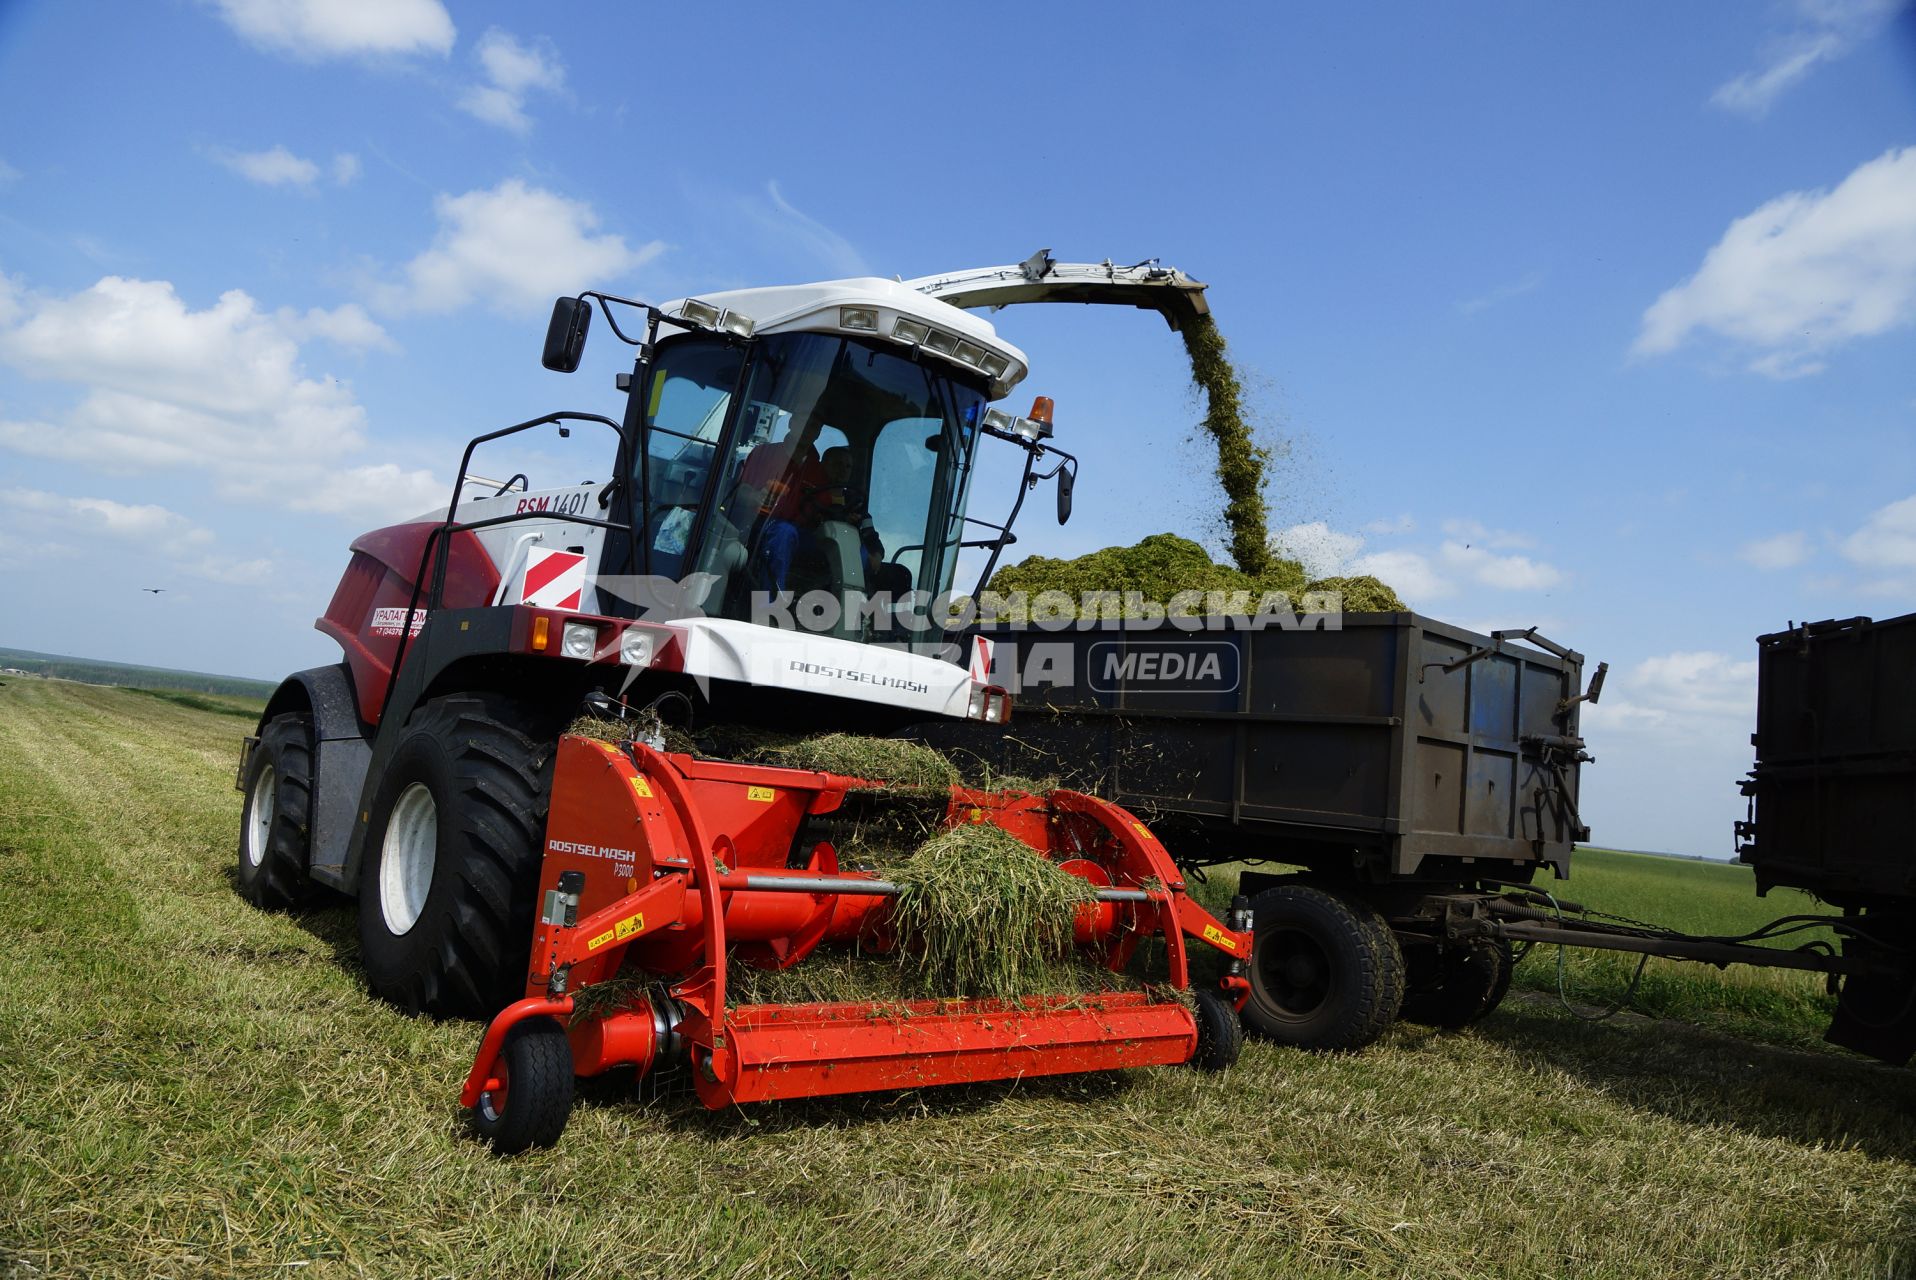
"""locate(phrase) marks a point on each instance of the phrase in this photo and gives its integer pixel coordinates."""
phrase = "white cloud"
(512, 70)
(1505, 573)
(1405, 523)
(346, 325)
(1322, 550)
(150, 525)
(1409, 573)
(812, 237)
(274, 167)
(1502, 293)
(8, 174)
(221, 390)
(147, 534)
(514, 247)
(1688, 694)
(316, 29)
(1827, 30)
(1475, 533)
(1469, 557)
(1887, 539)
(1804, 273)
(256, 572)
(278, 167)
(1783, 551)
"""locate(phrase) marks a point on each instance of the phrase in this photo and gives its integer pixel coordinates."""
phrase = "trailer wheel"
(533, 1099)
(451, 863)
(1219, 1035)
(1326, 973)
(276, 821)
(1455, 984)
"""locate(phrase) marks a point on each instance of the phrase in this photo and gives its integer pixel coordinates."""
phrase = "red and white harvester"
(502, 865)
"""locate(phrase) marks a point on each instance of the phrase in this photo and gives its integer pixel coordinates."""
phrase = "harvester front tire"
(1220, 1036)
(1458, 984)
(532, 1105)
(451, 863)
(1326, 972)
(276, 821)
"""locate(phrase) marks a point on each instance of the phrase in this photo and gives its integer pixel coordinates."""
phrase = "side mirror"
(565, 335)
(1066, 478)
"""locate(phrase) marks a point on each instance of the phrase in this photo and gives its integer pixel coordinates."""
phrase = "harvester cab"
(773, 547)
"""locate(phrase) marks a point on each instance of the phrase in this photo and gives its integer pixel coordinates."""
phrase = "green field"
(193, 1087)
(95, 671)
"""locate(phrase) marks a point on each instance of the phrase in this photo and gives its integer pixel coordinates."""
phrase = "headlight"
(863, 319)
(994, 366)
(912, 331)
(990, 704)
(737, 325)
(579, 640)
(941, 342)
(700, 313)
(635, 647)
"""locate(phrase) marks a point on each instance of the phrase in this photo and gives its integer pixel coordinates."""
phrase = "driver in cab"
(778, 481)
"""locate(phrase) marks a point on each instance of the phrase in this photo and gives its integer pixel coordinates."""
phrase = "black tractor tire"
(1455, 984)
(450, 868)
(1326, 971)
(535, 1100)
(276, 818)
(1220, 1036)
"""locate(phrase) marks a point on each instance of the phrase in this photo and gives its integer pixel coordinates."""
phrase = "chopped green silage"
(980, 913)
(1360, 594)
(892, 761)
(1151, 572)
(1240, 459)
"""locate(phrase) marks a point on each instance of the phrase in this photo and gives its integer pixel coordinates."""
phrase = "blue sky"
(1594, 318)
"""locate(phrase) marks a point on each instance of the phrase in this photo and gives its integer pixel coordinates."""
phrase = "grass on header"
(192, 1088)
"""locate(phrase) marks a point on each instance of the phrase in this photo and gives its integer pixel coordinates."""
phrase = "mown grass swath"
(194, 1088)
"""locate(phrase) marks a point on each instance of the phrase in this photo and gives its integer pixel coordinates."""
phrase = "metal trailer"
(1420, 776)
(1411, 769)
(1832, 806)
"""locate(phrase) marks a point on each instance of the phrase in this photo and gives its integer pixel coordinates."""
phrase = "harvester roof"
(871, 307)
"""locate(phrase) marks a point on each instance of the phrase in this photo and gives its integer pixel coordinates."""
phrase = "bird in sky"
(154, 590)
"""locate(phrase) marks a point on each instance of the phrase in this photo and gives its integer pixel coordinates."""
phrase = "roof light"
(994, 365)
(863, 319)
(999, 420)
(943, 343)
(739, 326)
(1041, 411)
(912, 331)
(700, 313)
(971, 353)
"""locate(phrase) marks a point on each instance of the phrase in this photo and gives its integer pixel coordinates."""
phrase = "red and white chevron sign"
(554, 579)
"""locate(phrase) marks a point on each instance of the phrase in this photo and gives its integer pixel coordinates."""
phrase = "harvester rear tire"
(1326, 971)
(1220, 1036)
(451, 865)
(276, 821)
(1458, 984)
(535, 1066)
